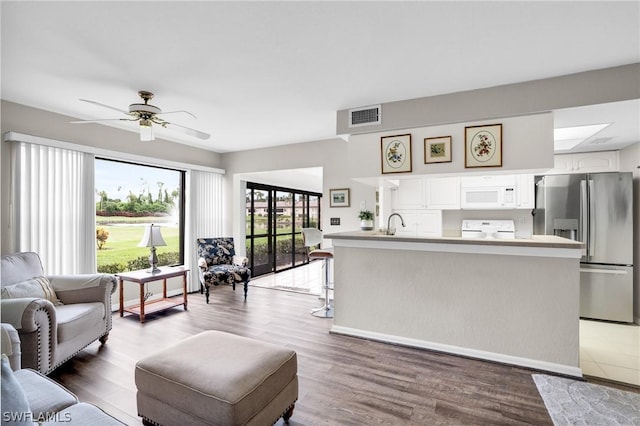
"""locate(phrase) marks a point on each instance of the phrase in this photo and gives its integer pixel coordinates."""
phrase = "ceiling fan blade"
(173, 112)
(105, 106)
(103, 120)
(189, 131)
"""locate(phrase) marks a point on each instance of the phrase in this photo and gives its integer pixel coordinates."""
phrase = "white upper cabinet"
(411, 193)
(525, 190)
(433, 193)
(586, 162)
(443, 193)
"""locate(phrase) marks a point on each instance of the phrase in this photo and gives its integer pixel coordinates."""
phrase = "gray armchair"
(56, 316)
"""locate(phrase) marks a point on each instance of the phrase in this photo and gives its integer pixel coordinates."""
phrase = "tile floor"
(304, 279)
(607, 350)
(610, 351)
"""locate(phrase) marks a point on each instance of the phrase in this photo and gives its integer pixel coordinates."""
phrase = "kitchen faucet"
(392, 231)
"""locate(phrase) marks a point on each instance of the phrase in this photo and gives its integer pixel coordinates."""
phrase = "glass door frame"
(275, 262)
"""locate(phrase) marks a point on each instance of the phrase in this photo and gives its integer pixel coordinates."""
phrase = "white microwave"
(488, 193)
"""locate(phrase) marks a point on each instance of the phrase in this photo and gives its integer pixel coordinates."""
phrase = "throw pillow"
(35, 287)
(15, 405)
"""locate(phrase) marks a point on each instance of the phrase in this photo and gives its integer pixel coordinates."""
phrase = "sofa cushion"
(45, 396)
(19, 267)
(15, 405)
(35, 287)
(227, 274)
(74, 319)
(216, 251)
(82, 414)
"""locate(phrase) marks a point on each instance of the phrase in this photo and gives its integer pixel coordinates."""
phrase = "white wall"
(519, 309)
(630, 162)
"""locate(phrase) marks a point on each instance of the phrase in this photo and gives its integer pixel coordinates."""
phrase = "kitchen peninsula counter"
(512, 301)
(539, 241)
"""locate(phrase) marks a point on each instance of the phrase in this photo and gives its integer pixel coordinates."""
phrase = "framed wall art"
(483, 146)
(395, 152)
(339, 197)
(437, 150)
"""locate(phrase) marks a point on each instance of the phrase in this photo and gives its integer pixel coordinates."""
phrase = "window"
(130, 197)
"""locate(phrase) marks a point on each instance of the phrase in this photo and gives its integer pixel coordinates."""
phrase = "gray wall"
(527, 144)
(586, 88)
(331, 155)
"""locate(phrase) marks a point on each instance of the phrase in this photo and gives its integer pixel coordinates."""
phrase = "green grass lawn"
(122, 244)
(108, 220)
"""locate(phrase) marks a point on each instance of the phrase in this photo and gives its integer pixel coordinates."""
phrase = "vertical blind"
(53, 209)
(204, 215)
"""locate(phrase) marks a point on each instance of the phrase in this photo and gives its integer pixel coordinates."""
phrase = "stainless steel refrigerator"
(596, 209)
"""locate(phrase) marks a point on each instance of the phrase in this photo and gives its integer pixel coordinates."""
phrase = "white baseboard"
(457, 350)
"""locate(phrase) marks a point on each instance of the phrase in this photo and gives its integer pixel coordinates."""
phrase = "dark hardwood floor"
(343, 380)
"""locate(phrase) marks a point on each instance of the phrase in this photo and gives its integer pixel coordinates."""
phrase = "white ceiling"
(265, 73)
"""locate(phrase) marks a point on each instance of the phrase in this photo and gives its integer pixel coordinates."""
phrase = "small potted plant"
(366, 220)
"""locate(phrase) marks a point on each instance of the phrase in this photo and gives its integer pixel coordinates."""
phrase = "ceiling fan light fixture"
(147, 115)
(146, 130)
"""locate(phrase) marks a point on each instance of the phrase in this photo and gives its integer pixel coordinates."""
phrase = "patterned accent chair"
(218, 263)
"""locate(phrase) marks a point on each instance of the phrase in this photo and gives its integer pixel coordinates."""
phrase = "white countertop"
(536, 241)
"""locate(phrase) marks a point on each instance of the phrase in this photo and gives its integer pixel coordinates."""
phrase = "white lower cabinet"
(420, 223)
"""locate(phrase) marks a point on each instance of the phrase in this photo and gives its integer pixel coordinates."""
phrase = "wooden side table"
(142, 277)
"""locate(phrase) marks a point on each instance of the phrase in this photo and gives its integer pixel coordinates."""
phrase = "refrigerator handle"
(583, 218)
(604, 271)
(592, 221)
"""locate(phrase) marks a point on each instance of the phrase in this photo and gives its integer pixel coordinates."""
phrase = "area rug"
(573, 402)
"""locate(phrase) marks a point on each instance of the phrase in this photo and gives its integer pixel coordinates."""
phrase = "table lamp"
(152, 238)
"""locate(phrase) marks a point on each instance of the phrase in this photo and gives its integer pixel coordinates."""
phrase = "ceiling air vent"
(365, 116)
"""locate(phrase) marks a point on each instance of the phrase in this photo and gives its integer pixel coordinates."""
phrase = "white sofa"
(30, 398)
(55, 316)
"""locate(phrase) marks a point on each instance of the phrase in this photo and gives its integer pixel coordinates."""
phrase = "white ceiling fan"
(147, 115)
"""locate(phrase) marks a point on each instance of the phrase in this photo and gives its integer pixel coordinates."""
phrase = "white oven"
(488, 192)
(498, 229)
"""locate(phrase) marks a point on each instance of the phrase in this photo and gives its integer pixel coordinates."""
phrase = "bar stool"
(312, 237)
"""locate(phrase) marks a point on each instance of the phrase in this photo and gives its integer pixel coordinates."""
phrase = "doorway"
(275, 217)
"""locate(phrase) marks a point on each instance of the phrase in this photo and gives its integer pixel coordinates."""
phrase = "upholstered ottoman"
(216, 378)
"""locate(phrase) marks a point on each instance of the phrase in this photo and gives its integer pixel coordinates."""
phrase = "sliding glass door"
(274, 221)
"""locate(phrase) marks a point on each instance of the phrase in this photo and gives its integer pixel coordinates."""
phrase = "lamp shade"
(152, 237)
